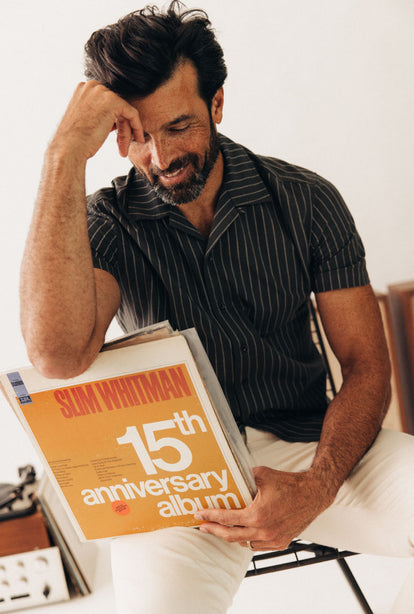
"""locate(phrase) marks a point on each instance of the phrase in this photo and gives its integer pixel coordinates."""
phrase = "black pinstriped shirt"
(279, 233)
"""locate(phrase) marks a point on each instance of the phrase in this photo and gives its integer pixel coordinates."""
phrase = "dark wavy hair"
(140, 52)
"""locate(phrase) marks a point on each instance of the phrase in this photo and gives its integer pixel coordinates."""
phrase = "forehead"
(177, 96)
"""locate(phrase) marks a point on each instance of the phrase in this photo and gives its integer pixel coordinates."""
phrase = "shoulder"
(129, 198)
(283, 171)
(113, 197)
(302, 189)
(283, 176)
(287, 174)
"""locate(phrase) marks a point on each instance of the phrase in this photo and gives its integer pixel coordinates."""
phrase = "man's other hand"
(285, 504)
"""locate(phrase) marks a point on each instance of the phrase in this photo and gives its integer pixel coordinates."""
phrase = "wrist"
(65, 152)
(325, 482)
(62, 180)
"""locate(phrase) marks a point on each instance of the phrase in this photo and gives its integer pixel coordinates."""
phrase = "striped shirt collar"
(242, 186)
(242, 182)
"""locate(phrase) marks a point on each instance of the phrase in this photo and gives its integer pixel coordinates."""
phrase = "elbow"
(59, 352)
(53, 369)
(58, 364)
(372, 370)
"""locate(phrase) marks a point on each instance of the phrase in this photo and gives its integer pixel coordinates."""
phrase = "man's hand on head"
(93, 112)
(285, 504)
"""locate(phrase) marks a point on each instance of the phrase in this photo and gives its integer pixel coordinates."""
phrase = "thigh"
(373, 512)
(268, 450)
(176, 570)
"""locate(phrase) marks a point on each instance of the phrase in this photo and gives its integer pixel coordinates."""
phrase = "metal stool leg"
(355, 586)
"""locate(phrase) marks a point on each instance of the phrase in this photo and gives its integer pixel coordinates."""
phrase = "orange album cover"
(134, 444)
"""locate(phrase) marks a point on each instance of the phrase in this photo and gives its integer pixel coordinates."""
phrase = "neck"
(200, 212)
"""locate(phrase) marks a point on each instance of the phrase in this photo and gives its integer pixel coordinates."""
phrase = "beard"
(190, 189)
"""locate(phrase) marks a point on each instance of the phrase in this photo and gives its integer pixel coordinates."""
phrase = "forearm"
(58, 303)
(66, 306)
(351, 424)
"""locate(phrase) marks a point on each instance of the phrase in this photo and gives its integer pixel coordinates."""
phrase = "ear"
(217, 106)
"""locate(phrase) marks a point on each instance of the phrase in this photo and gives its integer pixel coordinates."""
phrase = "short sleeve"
(103, 236)
(337, 252)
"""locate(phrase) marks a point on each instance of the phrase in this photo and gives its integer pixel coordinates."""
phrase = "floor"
(318, 589)
(323, 589)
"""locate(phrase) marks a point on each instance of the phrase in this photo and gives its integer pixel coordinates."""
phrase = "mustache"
(175, 165)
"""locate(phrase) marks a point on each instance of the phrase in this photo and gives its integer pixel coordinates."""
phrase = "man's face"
(181, 143)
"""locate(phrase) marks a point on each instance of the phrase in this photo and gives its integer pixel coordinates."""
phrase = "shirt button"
(243, 348)
(222, 306)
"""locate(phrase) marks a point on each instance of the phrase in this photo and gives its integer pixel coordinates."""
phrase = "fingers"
(228, 518)
(230, 525)
(260, 539)
(124, 136)
(129, 128)
(93, 112)
(230, 534)
(132, 116)
(241, 526)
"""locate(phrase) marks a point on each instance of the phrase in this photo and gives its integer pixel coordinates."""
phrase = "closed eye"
(178, 128)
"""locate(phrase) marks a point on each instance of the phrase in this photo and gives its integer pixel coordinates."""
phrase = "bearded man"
(206, 234)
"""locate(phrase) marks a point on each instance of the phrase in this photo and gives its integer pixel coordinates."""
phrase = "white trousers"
(183, 571)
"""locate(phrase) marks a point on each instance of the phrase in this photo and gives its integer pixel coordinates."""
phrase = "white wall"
(324, 84)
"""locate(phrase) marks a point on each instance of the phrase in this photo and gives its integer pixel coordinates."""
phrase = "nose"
(161, 154)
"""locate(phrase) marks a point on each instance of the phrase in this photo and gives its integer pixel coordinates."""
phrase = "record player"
(16, 500)
(31, 570)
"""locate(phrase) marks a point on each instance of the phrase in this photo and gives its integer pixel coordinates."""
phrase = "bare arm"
(352, 322)
(287, 503)
(66, 305)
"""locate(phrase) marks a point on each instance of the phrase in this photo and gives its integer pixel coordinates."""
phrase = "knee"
(176, 570)
(142, 574)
